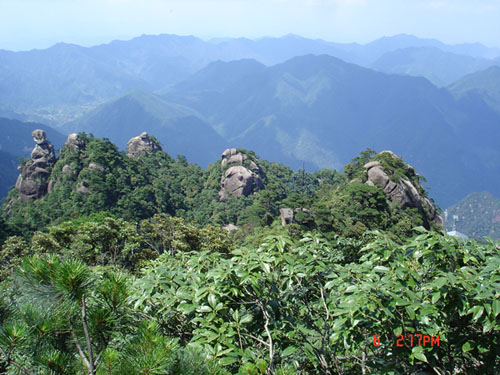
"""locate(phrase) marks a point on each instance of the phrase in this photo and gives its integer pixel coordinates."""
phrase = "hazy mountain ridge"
(440, 67)
(484, 85)
(181, 130)
(312, 111)
(64, 81)
(318, 109)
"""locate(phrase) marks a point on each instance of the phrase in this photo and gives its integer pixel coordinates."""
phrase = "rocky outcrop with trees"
(241, 174)
(402, 185)
(33, 180)
(143, 144)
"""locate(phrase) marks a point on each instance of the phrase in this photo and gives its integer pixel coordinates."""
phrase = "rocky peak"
(74, 142)
(142, 144)
(403, 190)
(242, 176)
(32, 182)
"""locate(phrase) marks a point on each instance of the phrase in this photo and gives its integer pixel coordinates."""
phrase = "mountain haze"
(179, 129)
(318, 110)
(64, 81)
(485, 85)
(440, 67)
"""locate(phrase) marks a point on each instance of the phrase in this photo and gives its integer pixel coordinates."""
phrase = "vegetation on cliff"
(134, 265)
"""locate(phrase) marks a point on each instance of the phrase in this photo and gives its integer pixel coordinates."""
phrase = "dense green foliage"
(97, 177)
(125, 268)
(285, 307)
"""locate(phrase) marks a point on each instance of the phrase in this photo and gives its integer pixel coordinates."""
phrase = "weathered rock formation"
(402, 190)
(230, 227)
(286, 215)
(74, 142)
(243, 176)
(289, 216)
(32, 182)
(142, 144)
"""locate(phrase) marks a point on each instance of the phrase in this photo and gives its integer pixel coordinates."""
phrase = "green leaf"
(381, 269)
(226, 361)
(401, 302)
(267, 268)
(418, 353)
(288, 351)
(495, 307)
(329, 284)
(467, 347)
(440, 282)
(212, 300)
(435, 297)
(476, 311)
(186, 308)
(204, 309)
(488, 325)
(350, 288)
(246, 319)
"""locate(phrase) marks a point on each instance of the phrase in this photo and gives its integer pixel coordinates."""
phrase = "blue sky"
(27, 24)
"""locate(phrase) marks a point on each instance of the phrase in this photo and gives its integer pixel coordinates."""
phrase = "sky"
(28, 24)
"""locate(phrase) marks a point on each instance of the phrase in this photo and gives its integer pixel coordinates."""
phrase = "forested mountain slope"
(182, 130)
(484, 85)
(64, 81)
(317, 111)
(90, 175)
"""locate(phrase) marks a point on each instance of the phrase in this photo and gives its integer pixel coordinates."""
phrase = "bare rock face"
(289, 216)
(32, 182)
(242, 177)
(404, 191)
(82, 187)
(286, 215)
(96, 167)
(237, 181)
(231, 156)
(231, 227)
(74, 142)
(142, 144)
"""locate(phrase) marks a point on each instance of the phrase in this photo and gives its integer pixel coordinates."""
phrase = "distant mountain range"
(64, 81)
(319, 110)
(313, 110)
(181, 130)
(439, 66)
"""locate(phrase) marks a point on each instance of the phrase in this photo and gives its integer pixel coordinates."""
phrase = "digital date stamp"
(411, 340)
